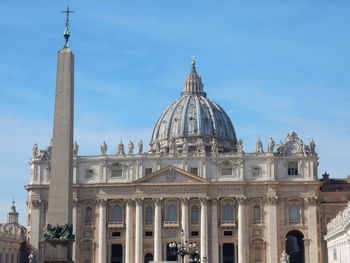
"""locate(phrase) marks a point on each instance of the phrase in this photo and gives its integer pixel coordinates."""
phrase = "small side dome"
(193, 123)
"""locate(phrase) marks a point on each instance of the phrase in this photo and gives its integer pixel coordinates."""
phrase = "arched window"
(194, 214)
(294, 212)
(117, 214)
(257, 253)
(149, 215)
(228, 212)
(172, 213)
(256, 214)
(88, 215)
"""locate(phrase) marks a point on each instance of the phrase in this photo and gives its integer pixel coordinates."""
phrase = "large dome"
(193, 122)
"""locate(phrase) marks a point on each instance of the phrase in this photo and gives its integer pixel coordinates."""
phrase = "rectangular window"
(227, 233)
(194, 170)
(116, 234)
(89, 173)
(293, 168)
(334, 254)
(116, 173)
(148, 234)
(256, 171)
(328, 219)
(148, 171)
(226, 171)
(195, 233)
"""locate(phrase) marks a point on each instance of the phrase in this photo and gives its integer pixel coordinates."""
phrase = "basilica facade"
(130, 204)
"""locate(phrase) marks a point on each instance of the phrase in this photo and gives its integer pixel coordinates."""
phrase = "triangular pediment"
(171, 174)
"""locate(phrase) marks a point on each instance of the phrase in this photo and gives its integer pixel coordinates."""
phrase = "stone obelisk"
(58, 237)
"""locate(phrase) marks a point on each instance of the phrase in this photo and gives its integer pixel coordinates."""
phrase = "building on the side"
(238, 206)
(13, 239)
(338, 237)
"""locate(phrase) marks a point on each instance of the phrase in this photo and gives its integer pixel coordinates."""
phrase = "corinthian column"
(128, 231)
(204, 228)
(157, 230)
(214, 231)
(102, 231)
(313, 230)
(272, 245)
(242, 241)
(184, 221)
(138, 232)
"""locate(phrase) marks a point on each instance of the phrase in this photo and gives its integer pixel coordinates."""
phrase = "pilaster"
(139, 232)
(214, 231)
(102, 231)
(242, 234)
(204, 227)
(157, 229)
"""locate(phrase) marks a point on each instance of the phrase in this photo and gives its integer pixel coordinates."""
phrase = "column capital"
(312, 200)
(184, 200)
(102, 202)
(271, 200)
(138, 201)
(129, 202)
(157, 201)
(242, 200)
(214, 201)
(204, 200)
(36, 203)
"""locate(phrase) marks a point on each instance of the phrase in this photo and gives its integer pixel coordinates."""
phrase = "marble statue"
(172, 145)
(140, 146)
(35, 150)
(239, 146)
(31, 257)
(259, 146)
(157, 146)
(130, 147)
(75, 149)
(121, 148)
(214, 147)
(270, 145)
(48, 150)
(185, 146)
(312, 146)
(284, 257)
(200, 146)
(103, 148)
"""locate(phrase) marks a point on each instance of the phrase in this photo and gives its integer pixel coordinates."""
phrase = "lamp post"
(185, 248)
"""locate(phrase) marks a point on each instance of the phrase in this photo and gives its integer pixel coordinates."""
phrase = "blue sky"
(272, 65)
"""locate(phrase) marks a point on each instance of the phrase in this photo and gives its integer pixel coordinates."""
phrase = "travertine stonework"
(239, 207)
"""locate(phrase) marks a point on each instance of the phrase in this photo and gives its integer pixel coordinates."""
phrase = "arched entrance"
(117, 253)
(171, 254)
(295, 246)
(228, 253)
(148, 257)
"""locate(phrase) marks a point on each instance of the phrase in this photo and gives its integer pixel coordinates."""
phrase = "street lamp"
(184, 248)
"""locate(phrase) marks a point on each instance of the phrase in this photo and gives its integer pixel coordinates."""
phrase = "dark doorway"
(228, 253)
(295, 247)
(171, 254)
(148, 257)
(117, 253)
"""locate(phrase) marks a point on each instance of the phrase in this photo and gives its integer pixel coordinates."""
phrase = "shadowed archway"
(295, 246)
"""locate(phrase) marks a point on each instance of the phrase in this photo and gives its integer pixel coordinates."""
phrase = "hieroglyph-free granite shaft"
(58, 247)
(60, 193)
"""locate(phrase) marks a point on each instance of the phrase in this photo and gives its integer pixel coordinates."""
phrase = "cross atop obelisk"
(66, 33)
(58, 237)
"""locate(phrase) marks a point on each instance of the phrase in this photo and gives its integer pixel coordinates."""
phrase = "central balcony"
(171, 224)
(115, 224)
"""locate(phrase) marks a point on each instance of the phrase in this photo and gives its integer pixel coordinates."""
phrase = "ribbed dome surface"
(193, 119)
